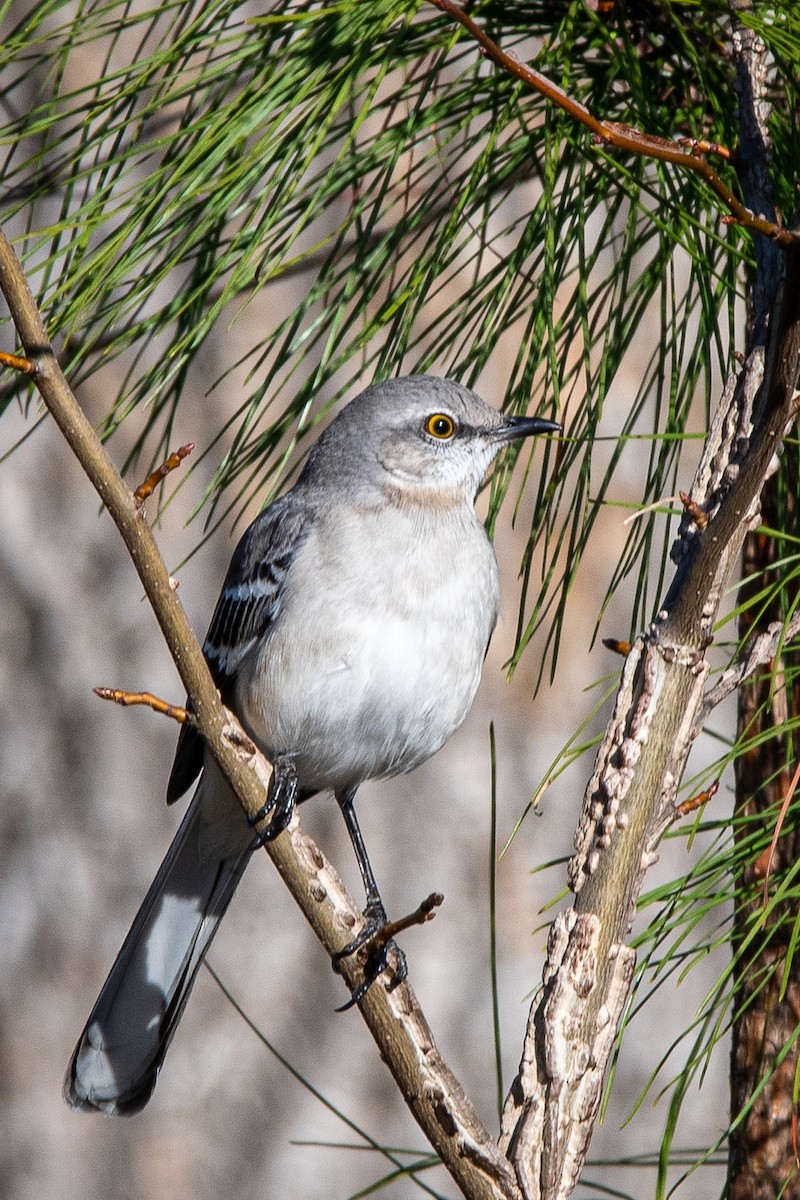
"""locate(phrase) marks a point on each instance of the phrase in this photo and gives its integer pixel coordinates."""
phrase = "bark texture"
(766, 1004)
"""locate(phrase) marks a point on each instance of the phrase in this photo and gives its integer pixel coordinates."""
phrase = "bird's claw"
(376, 963)
(281, 799)
(381, 933)
(375, 935)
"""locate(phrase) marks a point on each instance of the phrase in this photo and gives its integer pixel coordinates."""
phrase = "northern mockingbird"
(349, 639)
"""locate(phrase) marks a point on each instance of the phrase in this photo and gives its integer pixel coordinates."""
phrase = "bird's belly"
(367, 697)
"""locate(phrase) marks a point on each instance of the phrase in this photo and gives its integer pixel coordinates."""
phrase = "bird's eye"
(439, 425)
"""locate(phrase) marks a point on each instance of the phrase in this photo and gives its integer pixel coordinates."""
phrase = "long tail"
(118, 1056)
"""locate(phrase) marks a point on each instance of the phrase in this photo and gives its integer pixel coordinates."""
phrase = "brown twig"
(127, 699)
(701, 146)
(24, 365)
(618, 134)
(156, 477)
(377, 943)
(694, 802)
(426, 911)
(693, 510)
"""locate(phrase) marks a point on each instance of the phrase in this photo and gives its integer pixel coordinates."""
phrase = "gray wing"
(247, 607)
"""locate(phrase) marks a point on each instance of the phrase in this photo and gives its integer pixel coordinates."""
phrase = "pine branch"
(689, 157)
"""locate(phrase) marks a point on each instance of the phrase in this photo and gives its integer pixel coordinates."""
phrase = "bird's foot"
(378, 936)
(377, 959)
(281, 799)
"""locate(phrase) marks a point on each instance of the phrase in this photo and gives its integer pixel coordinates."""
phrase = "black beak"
(520, 427)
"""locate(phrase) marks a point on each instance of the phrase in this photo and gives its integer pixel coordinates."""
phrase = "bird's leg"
(281, 798)
(374, 913)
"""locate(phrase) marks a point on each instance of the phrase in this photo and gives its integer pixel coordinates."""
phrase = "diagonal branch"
(395, 1020)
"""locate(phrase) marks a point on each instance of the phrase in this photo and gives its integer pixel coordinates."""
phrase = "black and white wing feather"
(247, 607)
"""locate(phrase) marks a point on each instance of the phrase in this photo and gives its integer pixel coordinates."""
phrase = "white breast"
(378, 646)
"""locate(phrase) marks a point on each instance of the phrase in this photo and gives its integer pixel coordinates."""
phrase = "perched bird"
(349, 639)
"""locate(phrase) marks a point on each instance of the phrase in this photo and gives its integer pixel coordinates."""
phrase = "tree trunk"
(762, 1163)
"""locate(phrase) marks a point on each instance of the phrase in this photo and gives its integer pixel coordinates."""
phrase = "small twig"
(619, 135)
(694, 802)
(25, 365)
(425, 912)
(698, 515)
(126, 699)
(759, 651)
(376, 945)
(155, 478)
(701, 146)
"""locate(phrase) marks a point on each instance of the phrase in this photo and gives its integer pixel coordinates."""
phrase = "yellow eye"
(439, 425)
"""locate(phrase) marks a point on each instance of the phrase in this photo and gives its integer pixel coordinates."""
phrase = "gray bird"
(349, 639)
